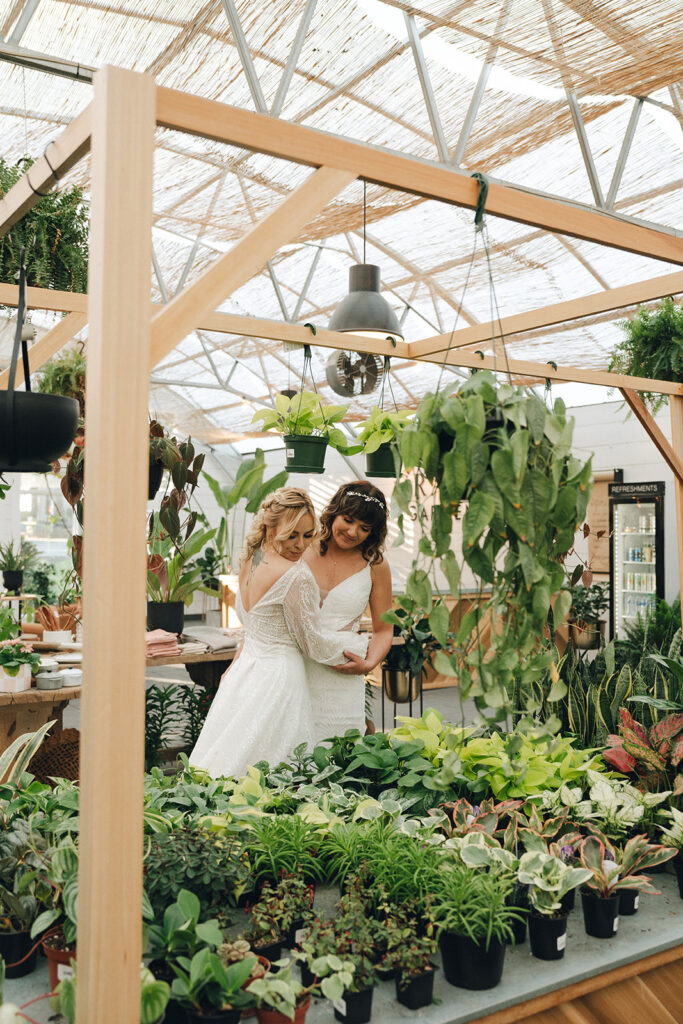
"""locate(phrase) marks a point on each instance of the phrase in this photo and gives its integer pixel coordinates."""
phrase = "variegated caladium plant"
(653, 755)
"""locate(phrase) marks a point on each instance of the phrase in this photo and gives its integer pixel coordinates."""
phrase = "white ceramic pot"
(16, 684)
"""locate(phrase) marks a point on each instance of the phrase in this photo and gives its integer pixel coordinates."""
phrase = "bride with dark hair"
(262, 709)
(349, 567)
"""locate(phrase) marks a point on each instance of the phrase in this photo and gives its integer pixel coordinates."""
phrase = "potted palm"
(586, 626)
(549, 880)
(308, 427)
(379, 436)
(15, 561)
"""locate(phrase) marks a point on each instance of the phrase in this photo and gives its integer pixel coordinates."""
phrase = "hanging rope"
(308, 365)
(386, 378)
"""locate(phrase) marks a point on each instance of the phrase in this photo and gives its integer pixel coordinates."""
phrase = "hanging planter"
(380, 435)
(383, 463)
(307, 425)
(35, 429)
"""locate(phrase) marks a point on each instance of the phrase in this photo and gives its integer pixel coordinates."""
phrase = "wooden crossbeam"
(51, 342)
(62, 153)
(260, 133)
(640, 411)
(175, 321)
(557, 313)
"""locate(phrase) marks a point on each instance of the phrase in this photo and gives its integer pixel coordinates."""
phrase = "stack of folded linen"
(161, 644)
(216, 640)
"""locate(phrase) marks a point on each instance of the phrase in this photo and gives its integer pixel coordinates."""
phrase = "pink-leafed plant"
(613, 869)
(653, 755)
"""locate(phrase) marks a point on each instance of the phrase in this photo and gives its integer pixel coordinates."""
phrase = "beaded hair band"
(365, 497)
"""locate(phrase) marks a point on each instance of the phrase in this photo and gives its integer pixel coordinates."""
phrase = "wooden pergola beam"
(60, 156)
(51, 342)
(640, 411)
(175, 321)
(557, 313)
(260, 133)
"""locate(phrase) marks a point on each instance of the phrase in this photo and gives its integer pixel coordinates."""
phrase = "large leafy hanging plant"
(497, 458)
(652, 346)
(54, 232)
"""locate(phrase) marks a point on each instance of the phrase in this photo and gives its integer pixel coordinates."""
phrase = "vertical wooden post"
(677, 443)
(116, 471)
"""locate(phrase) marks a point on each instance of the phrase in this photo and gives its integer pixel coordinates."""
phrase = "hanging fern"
(653, 347)
(54, 232)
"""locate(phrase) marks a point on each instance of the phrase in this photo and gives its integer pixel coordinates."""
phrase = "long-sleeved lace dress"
(262, 709)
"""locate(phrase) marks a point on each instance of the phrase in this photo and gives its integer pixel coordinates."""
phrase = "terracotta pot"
(266, 1016)
(57, 958)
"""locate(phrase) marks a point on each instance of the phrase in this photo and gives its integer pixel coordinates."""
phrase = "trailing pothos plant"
(496, 457)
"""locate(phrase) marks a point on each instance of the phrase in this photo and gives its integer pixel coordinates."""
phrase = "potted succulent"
(652, 347)
(308, 427)
(673, 837)
(549, 880)
(208, 990)
(236, 950)
(154, 995)
(15, 561)
(380, 435)
(585, 625)
(613, 870)
(473, 921)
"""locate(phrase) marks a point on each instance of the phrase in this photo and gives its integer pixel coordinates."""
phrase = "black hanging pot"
(600, 914)
(380, 463)
(13, 579)
(417, 992)
(470, 965)
(156, 472)
(548, 936)
(305, 454)
(354, 1007)
(35, 429)
(168, 615)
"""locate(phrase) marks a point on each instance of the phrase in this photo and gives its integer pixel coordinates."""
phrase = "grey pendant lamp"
(364, 310)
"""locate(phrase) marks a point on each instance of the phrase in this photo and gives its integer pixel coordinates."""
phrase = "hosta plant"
(494, 457)
(654, 755)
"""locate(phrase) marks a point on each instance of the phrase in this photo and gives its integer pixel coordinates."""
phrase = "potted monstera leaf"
(308, 427)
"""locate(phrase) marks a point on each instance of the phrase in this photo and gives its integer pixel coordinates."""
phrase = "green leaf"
(451, 570)
(412, 445)
(454, 479)
(439, 622)
(477, 517)
(561, 608)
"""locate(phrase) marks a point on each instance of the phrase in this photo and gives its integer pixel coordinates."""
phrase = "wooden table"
(28, 710)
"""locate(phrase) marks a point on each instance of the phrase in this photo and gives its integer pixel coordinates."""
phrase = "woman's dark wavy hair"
(353, 500)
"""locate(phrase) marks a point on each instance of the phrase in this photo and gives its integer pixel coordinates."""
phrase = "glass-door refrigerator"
(636, 523)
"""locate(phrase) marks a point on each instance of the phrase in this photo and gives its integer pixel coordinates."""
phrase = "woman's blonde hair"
(281, 512)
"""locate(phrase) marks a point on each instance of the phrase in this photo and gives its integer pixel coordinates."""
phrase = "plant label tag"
(616, 923)
(636, 902)
(299, 935)
(561, 941)
(340, 1006)
(64, 971)
(289, 452)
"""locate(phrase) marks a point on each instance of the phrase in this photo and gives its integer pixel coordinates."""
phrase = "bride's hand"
(355, 666)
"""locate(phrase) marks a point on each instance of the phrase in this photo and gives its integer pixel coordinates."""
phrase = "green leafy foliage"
(54, 232)
(64, 374)
(652, 347)
(382, 427)
(306, 415)
(23, 556)
(501, 461)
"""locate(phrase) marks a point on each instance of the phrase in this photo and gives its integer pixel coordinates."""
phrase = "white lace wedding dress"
(338, 701)
(262, 709)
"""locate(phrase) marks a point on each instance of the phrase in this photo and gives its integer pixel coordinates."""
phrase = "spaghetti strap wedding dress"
(262, 709)
(338, 701)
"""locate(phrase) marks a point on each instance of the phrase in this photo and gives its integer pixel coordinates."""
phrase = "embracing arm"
(302, 614)
(382, 632)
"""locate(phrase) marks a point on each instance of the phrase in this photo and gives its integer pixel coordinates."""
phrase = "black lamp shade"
(364, 310)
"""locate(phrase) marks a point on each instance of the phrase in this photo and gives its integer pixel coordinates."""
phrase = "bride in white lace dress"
(262, 709)
(351, 572)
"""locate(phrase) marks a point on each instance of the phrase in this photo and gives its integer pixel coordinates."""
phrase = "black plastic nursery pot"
(678, 867)
(13, 579)
(548, 936)
(271, 951)
(175, 1013)
(168, 615)
(354, 1007)
(305, 454)
(381, 463)
(13, 947)
(156, 473)
(469, 965)
(600, 914)
(307, 975)
(628, 902)
(418, 992)
(222, 1017)
(568, 901)
(35, 430)
(294, 935)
